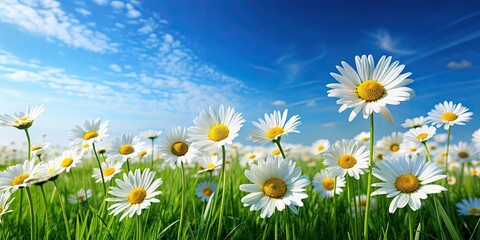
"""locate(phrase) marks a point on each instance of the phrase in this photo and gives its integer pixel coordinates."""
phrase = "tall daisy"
(469, 207)
(69, 159)
(449, 114)
(408, 181)
(109, 169)
(420, 134)
(324, 183)
(22, 120)
(276, 184)
(464, 152)
(319, 146)
(80, 196)
(273, 127)
(346, 157)
(21, 175)
(205, 189)
(414, 122)
(39, 149)
(151, 134)
(176, 149)
(209, 163)
(92, 131)
(125, 147)
(4, 203)
(134, 193)
(390, 145)
(372, 87)
(214, 129)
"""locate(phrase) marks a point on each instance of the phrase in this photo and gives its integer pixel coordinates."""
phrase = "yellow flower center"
(274, 188)
(108, 171)
(347, 161)
(137, 196)
(443, 154)
(474, 172)
(50, 171)
(273, 132)
(210, 166)
(218, 132)
(90, 134)
(276, 152)
(449, 116)
(102, 151)
(142, 153)
(126, 149)
(407, 183)
(380, 156)
(252, 156)
(207, 192)
(214, 154)
(474, 211)
(328, 183)
(370, 90)
(422, 136)
(19, 179)
(234, 146)
(179, 148)
(320, 148)
(81, 197)
(66, 162)
(394, 147)
(36, 148)
(463, 155)
(85, 146)
(364, 139)
(363, 203)
(413, 149)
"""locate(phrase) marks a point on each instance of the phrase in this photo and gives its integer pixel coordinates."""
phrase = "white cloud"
(46, 18)
(115, 67)
(459, 65)
(83, 11)
(119, 25)
(117, 5)
(132, 12)
(101, 2)
(384, 41)
(329, 124)
(278, 103)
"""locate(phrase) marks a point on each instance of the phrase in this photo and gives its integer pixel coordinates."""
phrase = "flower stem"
(19, 213)
(410, 224)
(369, 180)
(62, 205)
(447, 203)
(73, 180)
(153, 153)
(32, 215)
(276, 228)
(128, 166)
(29, 145)
(101, 171)
(182, 209)
(280, 148)
(429, 157)
(334, 212)
(46, 211)
(224, 185)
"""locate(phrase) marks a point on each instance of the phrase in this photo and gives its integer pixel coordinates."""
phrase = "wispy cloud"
(459, 65)
(307, 103)
(329, 124)
(46, 18)
(263, 68)
(115, 68)
(83, 11)
(385, 41)
(293, 65)
(278, 103)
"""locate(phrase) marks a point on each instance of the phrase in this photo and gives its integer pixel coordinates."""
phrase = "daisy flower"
(4, 203)
(213, 130)
(408, 148)
(276, 184)
(273, 127)
(125, 147)
(346, 156)
(110, 168)
(324, 183)
(135, 192)
(50, 170)
(420, 134)
(390, 145)
(476, 138)
(454, 166)
(20, 175)
(39, 149)
(204, 190)
(440, 138)
(92, 131)
(451, 180)
(415, 122)
(371, 87)
(22, 120)
(209, 163)
(449, 114)
(463, 152)
(362, 137)
(407, 180)
(469, 207)
(176, 149)
(250, 158)
(69, 159)
(319, 146)
(362, 202)
(151, 134)
(474, 171)
(80, 197)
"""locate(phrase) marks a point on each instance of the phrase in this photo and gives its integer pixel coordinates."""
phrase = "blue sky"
(156, 64)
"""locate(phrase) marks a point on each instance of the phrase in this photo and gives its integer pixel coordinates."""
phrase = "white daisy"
(39, 149)
(476, 138)
(273, 127)
(80, 197)
(420, 134)
(92, 131)
(324, 183)
(250, 158)
(390, 145)
(449, 114)
(415, 122)
(4, 203)
(213, 130)
(454, 166)
(408, 148)
(372, 88)
(319, 146)
(209, 163)
(276, 184)
(135, 193)
(463, 152)
(110, 168)
(408, 180)
(362, 202)
(346, 156)
(469, 207)
(125, 147)
(474, 171)
(362, 137)
(20, 175)
(69, 159)
(204, 190)
(50, 171)
(151, 134)
(442, 137)
(451, 180)
(22, 120)
(176, 149)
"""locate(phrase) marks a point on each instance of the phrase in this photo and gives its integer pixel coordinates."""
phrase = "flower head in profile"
(134, 193)
(362, 137)
(273, 127)
(151, 134)
(39, 149)
(420, 134)
(209, 163)
(250, 158)
(176, 149)
(407, 181)
(276, 183)
(449, 114)
(214, 129)
(92, 131)
(69, 159)
(205, 190)
(21, 175)
(125, 147)
(22, 120)
(464, 152)
(319, 146)
(109, 168)
(346, 157)
(4, 203)
(372, 87)
(414, 122)
(80, 197)
(324, 183)
(469, 207)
